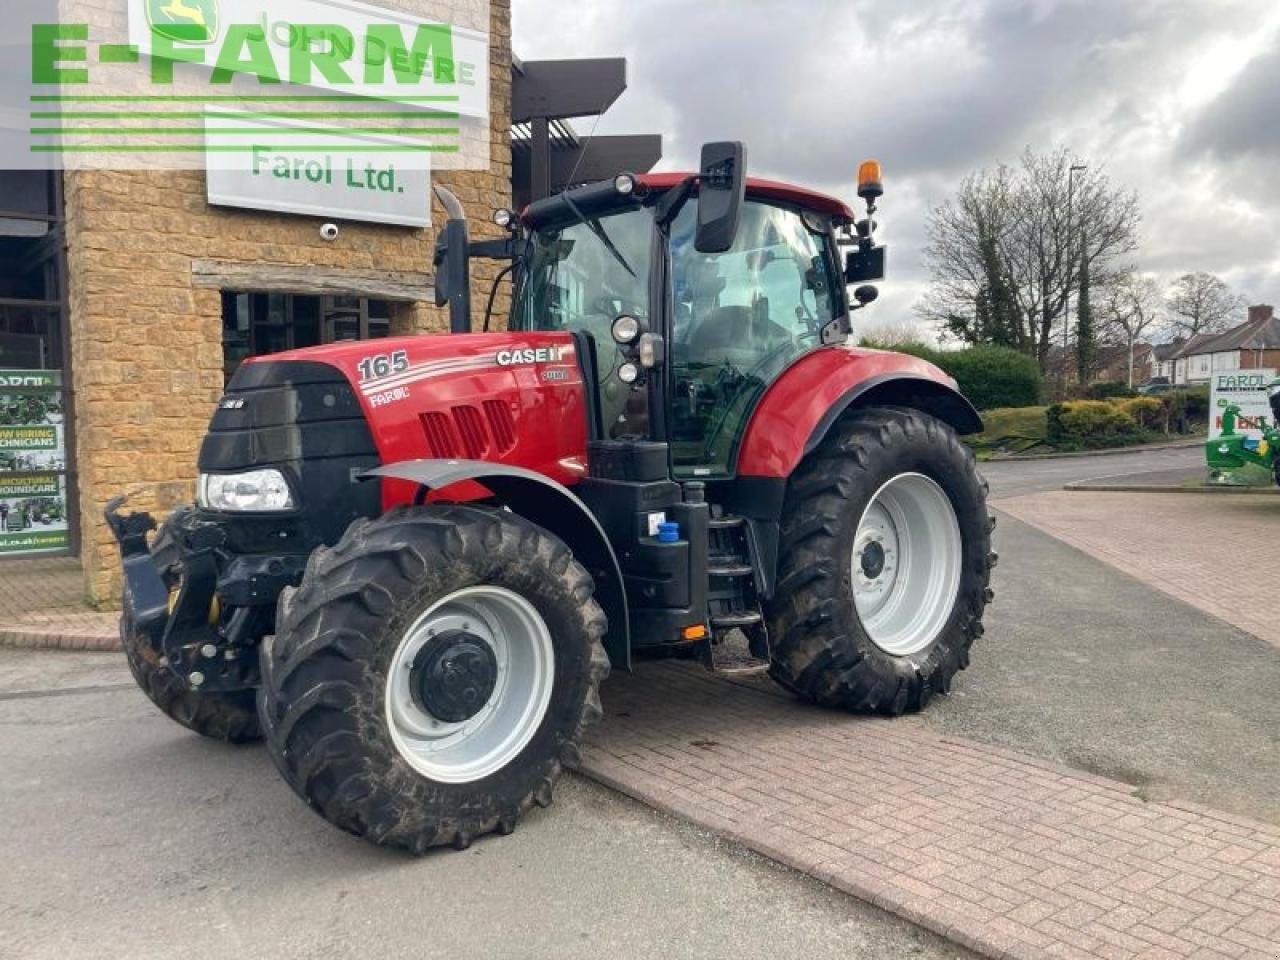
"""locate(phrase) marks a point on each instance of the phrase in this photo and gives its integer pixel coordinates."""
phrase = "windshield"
(580, 279)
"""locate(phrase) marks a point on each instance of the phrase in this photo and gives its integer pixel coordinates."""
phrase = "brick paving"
(1215, 552)
(1009, 855)
(42, 604)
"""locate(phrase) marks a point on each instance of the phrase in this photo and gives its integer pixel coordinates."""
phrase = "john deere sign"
(109, 84)
(183, 21)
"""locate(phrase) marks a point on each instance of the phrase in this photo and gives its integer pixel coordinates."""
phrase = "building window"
(37, 479)
(254, 324)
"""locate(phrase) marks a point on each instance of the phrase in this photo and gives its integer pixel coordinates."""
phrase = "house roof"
(1260, 333)
(1196, 344)
(1167, 351)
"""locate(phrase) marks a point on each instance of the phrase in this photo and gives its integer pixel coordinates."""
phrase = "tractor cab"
(692, 294)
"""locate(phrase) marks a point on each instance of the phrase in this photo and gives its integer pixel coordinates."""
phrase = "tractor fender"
(799, 408)
(551, 506)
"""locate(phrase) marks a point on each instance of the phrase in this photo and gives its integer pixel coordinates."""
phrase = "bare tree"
(1202, 303)
(1131, 307)
(1024, 235)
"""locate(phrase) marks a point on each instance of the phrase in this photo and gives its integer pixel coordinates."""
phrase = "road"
(1085, 666)
(125, 837)
(1009, 478)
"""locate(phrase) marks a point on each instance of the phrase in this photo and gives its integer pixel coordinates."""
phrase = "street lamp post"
(1066, 312)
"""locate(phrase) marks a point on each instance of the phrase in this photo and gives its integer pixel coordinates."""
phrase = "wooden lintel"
(312, 280)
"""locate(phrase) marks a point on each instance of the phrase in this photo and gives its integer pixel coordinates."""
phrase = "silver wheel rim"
(906, 561)
(490, 739)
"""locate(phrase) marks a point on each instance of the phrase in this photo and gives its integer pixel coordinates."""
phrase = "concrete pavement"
(123, 836)
(1009, 855)
(1086, 666)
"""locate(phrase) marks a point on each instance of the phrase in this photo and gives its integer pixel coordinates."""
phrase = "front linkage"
(178, 601)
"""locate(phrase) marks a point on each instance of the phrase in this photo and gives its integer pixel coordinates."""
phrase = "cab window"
(581, 278)
(740, 318)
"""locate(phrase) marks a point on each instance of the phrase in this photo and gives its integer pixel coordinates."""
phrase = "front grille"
(439, 434)
(501, 423)
(475, 438)
(465, 432)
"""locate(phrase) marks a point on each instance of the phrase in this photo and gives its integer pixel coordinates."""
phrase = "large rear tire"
(884, 564)
(230, 716)
(432, 674)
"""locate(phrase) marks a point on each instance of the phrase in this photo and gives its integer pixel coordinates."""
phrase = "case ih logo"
(514, 358)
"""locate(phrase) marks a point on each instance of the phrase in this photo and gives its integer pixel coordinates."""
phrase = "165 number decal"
(383, 364)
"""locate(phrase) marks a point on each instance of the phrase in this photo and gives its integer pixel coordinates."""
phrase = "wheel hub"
(454, 676)
(906, 563)
(872, 560)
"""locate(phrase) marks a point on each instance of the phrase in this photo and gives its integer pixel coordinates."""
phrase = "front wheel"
(884, 564)
(432, 674)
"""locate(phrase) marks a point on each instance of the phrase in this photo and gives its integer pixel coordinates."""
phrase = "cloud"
(936, 90)
(1244, 121)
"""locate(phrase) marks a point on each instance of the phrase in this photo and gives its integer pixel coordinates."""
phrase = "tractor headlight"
(249, 492)
(625, 329)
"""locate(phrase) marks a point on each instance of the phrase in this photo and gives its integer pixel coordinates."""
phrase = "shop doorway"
(259, 323)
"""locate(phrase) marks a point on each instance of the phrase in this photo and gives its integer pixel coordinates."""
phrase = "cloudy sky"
(1179, 100)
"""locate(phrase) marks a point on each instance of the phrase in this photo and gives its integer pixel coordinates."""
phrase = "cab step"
(727, 568)
(736, 619)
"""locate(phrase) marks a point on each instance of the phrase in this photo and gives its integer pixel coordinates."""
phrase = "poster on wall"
(33, 493)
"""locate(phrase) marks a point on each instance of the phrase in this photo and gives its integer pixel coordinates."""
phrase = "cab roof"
(768, 189)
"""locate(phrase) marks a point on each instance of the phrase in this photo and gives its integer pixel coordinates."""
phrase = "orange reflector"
(695, 632)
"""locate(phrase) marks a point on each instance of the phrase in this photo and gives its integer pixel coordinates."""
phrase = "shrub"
(1090, 423)
(1107, 389)
(1147, 412)
(989, 376)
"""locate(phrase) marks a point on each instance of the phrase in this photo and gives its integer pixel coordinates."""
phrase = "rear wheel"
(230, 716)
(432, 674)
(884, 564)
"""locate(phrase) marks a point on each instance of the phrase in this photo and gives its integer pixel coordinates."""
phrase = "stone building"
(127, 298)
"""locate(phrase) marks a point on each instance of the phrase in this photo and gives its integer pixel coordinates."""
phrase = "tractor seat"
(726, 330)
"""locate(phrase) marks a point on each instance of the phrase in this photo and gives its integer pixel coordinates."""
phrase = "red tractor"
(412, 561)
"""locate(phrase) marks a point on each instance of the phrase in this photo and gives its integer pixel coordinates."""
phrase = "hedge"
(989, 376)
(1091, 423)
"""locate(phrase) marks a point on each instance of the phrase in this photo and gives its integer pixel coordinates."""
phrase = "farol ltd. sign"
(1247, 389)
(343, 176)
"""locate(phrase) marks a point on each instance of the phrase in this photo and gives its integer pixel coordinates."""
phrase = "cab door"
(739, 319)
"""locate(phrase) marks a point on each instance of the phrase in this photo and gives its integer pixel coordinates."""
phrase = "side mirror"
(722, 185)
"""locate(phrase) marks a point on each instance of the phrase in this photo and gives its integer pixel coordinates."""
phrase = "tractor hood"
(515, 398)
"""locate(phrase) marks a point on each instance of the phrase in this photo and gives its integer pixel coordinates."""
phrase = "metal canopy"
(546, 151)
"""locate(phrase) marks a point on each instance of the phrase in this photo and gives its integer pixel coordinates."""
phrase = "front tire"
(432, 674)
(884, 564)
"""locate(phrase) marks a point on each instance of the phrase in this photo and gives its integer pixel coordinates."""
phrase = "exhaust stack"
(452, 263)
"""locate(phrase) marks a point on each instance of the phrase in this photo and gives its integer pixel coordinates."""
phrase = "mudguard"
(799, 408)
(548, 504)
